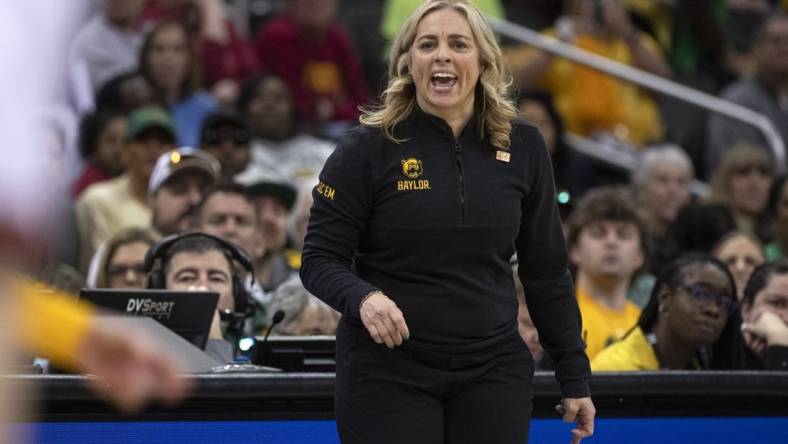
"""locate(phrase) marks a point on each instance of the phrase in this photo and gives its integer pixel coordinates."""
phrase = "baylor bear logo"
(411, 168)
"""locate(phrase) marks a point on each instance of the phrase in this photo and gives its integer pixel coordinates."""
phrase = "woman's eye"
(426, 45)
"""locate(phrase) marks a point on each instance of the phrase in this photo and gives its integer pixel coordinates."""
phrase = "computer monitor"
(187, 313)
(296, 353)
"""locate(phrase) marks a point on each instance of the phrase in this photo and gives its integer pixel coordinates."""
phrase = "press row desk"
(664, 407)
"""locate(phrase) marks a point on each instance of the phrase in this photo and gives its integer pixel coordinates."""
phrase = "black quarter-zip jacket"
(432, 223)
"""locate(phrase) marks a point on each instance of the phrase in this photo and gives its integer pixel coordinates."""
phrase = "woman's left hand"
(580, 411)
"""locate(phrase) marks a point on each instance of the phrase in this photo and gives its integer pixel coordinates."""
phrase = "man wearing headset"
(201, 262)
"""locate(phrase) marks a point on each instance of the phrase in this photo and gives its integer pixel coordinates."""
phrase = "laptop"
(187, 313)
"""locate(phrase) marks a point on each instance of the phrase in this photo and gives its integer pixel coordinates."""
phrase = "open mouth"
(443, 81)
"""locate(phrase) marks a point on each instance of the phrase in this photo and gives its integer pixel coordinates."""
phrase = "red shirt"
(234, 59)
(328, 67)
(91, 175)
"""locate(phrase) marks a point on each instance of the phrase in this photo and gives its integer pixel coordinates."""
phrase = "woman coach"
(415, 218)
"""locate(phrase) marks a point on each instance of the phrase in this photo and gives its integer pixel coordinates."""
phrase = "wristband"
(366, 296)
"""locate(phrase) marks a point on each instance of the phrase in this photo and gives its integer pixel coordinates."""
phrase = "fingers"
(578, 435)
(384, 321)
(568, 411)
(582, 412)
(395, 338)
(399, 323)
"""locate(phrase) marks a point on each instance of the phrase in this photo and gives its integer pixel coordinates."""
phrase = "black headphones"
(244, 304)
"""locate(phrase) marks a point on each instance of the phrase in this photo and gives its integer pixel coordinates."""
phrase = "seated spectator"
(125, 93)
(741, 253)
(607, 244)
(778, 209)
(119, 262)
(763, 93)
(593, 103)
(109, 44)
(742, 183)
(574, 173)
(662, 183)
(167, 60)
(274, 199)
(279, 146)
(691, 322)
(662, 188)
(227, 58)
(200, 262)
(226, 137)
(107, 207)
(313, 55)
(765, 313)
(176, 187)
(227, 211)
(305, 314)
(101, 137)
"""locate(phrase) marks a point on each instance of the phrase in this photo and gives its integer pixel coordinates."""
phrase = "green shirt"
(773, 252)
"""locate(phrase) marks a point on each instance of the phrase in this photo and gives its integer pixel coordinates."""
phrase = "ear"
(574, 254)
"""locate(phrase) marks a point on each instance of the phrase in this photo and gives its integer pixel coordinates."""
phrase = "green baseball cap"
(149, 117)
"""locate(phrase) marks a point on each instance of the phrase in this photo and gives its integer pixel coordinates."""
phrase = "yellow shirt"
(51, 324)
(591, 101)
(633, 353)
(602, 325)
(104, 209)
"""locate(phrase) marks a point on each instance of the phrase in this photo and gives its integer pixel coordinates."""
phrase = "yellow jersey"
(603, 325)
(51, 324)
(633, 353)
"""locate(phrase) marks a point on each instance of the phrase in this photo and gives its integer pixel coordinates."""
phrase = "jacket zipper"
(460, 178)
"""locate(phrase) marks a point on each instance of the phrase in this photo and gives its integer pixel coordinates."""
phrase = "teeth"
(443, 75)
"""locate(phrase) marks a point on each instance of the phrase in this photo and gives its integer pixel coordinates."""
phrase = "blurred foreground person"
(35, 35)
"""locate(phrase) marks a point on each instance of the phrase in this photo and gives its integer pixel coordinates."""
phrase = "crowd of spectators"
(191, 119)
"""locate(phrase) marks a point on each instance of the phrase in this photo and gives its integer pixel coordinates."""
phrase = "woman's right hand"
(383, 320)
(769, 327)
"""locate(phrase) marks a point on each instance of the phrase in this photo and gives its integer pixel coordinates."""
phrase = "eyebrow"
(186, 270)
(451, 36)
(214, 272)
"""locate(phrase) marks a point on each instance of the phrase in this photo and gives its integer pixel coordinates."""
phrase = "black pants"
(405, 396)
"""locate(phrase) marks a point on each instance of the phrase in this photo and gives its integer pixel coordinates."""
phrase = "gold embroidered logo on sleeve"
(326, 190)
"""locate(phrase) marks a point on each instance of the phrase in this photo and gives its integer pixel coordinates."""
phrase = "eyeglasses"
(119, 271)
(238, 136)
(703, 295)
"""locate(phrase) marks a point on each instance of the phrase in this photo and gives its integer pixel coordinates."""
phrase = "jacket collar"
(437, 126)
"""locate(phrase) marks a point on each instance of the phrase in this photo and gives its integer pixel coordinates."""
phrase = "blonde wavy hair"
(494, 109)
